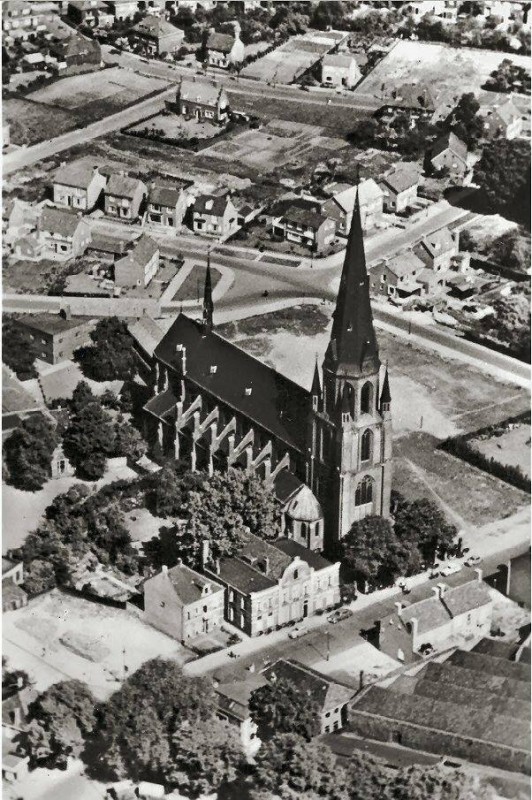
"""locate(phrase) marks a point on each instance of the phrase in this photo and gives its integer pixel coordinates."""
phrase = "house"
(504, 120)
(123, 9)
(302, 513)
(413, 99)
(449, 154)
(78, 185)
(167, 205)
(458, 612)
(341, 203)
(64, 234)
(233, 706)
(182, 603)
(146, 335)
(56, 337)
(14, 765)
(156, 36)
(215, 216)
(438, 250)
(140, 265)
(397, 277)
(339, 69)
(15, 707)
(400, 189)
(204, 101)
(332, 697)
(305, 227)
(224, 50)
(124, 197)
(23, 19)
(76, 54)
(19, 219)
(86, 12)
(108, 248)
(272, 584)
(13, 595)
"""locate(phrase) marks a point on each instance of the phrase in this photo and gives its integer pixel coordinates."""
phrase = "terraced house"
(78, 185)
(64, 234)
(167, 205)
(124, 197)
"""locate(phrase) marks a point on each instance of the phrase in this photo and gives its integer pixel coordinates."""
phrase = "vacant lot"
(448, 71)
(511, 448)
(32, 122)
(48, 637)
(171, 126)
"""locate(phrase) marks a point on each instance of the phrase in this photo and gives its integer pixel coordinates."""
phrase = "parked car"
(339, 615)
(299, 630)
(426, 649)
(450, 568)
(472, 561)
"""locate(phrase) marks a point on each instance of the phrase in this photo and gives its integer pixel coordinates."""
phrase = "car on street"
(472, 561)
(426, 649)
(450, 568)
(339, 615)
(299, 630)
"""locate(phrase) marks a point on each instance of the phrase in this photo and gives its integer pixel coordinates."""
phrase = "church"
(327, 452)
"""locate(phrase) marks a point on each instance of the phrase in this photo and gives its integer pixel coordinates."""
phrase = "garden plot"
(449, 71)
(510, 447)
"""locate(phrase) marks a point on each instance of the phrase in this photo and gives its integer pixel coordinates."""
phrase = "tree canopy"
(423, 523)
(18, 351)
(28, 452)
(89, 440)
(281, 707)
(111, 356)
(503, 177)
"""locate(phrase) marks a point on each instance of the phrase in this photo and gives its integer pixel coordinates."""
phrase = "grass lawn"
(510, 448)
(32, 122)
(36, 277)
(192, 286)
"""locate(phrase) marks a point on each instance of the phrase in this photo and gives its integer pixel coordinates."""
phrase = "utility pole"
(328, 645)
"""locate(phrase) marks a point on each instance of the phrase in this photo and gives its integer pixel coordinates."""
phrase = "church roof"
(353, 343)
(240, 381)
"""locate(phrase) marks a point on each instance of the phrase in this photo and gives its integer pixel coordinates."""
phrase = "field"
(449, 71)
(47, 637)
(171, 126)
(32, 122)
(511, 448)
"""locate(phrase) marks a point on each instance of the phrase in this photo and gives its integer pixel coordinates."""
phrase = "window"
(364, 491)
(366, 445)
(296, 574)
(205, 609)
(366, 398)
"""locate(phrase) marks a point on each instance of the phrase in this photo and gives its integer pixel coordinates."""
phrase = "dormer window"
(247, 391)
(213, 369)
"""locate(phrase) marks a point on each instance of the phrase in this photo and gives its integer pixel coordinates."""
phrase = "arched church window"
(364, 491)
(366, 446)
(366, 398)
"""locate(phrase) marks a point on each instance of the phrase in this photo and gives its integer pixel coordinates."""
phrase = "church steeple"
(316, 387)
(208, 306)
(353, 346)
(386, 397)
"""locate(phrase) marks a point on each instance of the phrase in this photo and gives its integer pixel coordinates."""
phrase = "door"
(305, 608)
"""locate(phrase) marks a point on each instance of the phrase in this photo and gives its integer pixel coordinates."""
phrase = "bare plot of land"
(88, 641)
(32, 122)
(511, 448)
(171, 126)
(449, 71)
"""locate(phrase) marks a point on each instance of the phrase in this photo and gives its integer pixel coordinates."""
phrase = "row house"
(183, 603)
(139, 266)
(341, 203)
(78, 185)
(155, 35)
(268, 585)
(397, 277)
(305, 227)
(167, 205)
(64, 234)
(23, 19)
(224, 50)
(124, 197)
(340, 69)
(438, 250)
(214, 216)
(206, 102)
(400, 189)
(76, 54)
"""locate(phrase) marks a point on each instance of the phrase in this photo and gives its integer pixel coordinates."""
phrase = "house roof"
(156, 27)
(400, 179)
(455, 601)
(436, 714)
(294, 549)
(123, 186)
(205, 93)
(430, 614)
(472, 698)
(449, 141)
(496, 648)
(165, 194)
(108, 244)
(162, 404)
(8, 564)
(327, 693)
(451, 673)
(214, 204)
(221, 42)
(404, 264)
(434, 245)
(77, 45)
(147, 333)
(344, 195)
(255, 551)
(51, 323)
(412, 95)
(242, 576)
(286, 484)
(12, 591)
(188, 584)
(59, 383)
(276, 403)
(338, 60)
(55, 220)
(463, 599)
(303, 216)
(15, 396)
(507, 112)
(78, 174)
(490, 665)
(304, 505)
(233, 698)
(143, 251)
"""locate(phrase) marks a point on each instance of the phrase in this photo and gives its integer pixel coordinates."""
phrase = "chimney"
(217, 566)
(479, 574)
(66, 312)
(436, 591)
(399, 607)
(251, 668)
(20, 681)
(267, 565)
(164, 569)
(205, 553)
(414, 627)
(443, 588)
(179, 562)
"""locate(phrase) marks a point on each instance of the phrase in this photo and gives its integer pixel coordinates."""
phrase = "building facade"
(224, 50)
(340, 70)
(124, 197)
(139, 266)
(78, 186)
(55, 337)
(167, 205)
(214, 216)
(305, 227)
(64, 234)
(205, 102)
(155, 36)
(400, 190)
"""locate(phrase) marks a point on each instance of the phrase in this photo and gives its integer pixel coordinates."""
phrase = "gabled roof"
(489, 665)
(213, 204)
(412, 95)
(463, 599)
(400, 179)
(55, 220)
(78, 174)
(507, 112)
(338, 60)
(302, 216)
(165, 194)
(147, 333)
(233, 698)
(52, 323)
(8, 564)
(296, 550)
(221, 42)
(327, 693)
(144, 250)
(275, 403)
(207, 94)
(123, 186)
(473, 679)
(286, 484)
(404, 264)
(188, 585)
(449, 141)
(433, 612)
(156, 27)
(78, 45)
(434, 245)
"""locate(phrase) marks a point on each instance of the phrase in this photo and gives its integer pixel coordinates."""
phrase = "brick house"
(76, 54)
(13, 595)
(64, 234)
(400, 189)
(341, 203)
(438, 250)
(449, 153)
(332, 697)
(215, 216)
(167, 205)
(305, 227)
(224, 50)
(269, 585)
(55, 337)
(452, 612)
(124, 197)
(23, 19)
(503, 120)
(397, 277)
(412, 99)
(204, 101)
(182, 603)
(140, 265)
(78, 185)
(339, 69)
(155, 35)
(86, 12)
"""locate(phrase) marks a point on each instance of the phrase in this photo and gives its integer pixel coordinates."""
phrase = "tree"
(82, 396)
(28, 452)
(62, 717)
(509, 77)
(111, 356)
(205, 756)
(510, 322)
(420, 783)
(89, 440)
(465, 121)
(18, 351)
(511, 249)
(128, 441)
(503, 177)
(281, 707)
(39, 577)
(374, 553)
(424, 524)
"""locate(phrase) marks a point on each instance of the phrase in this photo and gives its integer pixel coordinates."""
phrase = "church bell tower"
(350, 426)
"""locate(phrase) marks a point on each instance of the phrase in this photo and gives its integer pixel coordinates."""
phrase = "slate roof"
(507, 112)
(293, 549)
(60, 383)
(156, 27)
(449, 141)
(108, 244)
(369, 190)
(51, 323)
(188, 584)
(286, 484)
(54, 220)
(161, 404)
(463, 599)
(122, 185)
(204, 93)
(276, 403)
(146, 333)
(434, 611)
(212, 204)
(327, 693)
(19, 700)
(489, 665)
(255, 551)
(404, 264)
(12, 591)
(338, 60)
(243, 577)
(451, 673)
(434, 245)
(474, 698)
(233, 698)
(165, 195)
(302, 216)
(78, 174)
(413, 96)
(143, 251)
(304, 505)
(439, 715)
(221, 42)
(430, 614)
(401, 179)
